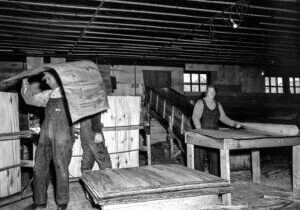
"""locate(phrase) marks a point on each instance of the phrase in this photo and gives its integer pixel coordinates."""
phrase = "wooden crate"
(122, 145)
(10, 174)
(154, 187)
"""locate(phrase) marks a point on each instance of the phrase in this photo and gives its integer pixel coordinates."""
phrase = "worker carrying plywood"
(76, 92)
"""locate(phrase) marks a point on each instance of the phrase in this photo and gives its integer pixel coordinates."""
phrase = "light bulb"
(234, 25)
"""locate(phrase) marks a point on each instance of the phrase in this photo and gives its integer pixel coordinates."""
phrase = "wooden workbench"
(226, 140)
(155, 187)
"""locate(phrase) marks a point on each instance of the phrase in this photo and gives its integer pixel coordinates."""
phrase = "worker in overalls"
(55, 142)
(206, 115)
(93, 144)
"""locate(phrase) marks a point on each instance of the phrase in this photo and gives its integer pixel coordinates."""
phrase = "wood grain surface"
(82, 84)
(234, 134)
(122, 143)
(10, 173)
(159, 181)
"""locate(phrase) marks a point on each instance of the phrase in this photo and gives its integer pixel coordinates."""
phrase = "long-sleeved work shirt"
(198, 110)
(39, 99)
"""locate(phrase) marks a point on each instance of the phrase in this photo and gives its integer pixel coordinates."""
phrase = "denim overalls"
(55, 143)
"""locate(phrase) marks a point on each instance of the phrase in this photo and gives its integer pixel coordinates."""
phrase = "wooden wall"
(130, 80)
(9, 69)
(232, 78)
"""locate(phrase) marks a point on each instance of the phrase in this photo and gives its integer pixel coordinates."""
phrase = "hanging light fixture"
(235, 15)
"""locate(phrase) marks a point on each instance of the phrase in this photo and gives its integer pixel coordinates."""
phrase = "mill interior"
(145, 69)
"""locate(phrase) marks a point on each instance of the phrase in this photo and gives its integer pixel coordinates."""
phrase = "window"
(194, 82)
(273, 85)
(294, 85)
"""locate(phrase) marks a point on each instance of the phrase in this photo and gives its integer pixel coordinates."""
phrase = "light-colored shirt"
(198, 110)
(40, 99)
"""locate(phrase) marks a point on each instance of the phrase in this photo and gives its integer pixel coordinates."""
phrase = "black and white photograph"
(149, 105)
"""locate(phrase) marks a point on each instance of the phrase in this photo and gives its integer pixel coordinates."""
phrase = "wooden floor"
(273, 193)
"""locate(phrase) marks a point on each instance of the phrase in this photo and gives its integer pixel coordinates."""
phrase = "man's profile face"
(50, 80)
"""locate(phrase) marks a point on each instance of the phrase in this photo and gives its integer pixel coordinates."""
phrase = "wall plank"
(10, 179)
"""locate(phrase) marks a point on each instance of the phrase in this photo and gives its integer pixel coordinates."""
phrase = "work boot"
(36, 207)
(62, 207)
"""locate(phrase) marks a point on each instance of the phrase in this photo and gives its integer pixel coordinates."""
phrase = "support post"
(296, 170)
(255, 162)
(182, 124)
(225, 173)
(148, 142)
(156, 105)
(171, 140)
(164, 111)
(190, 156)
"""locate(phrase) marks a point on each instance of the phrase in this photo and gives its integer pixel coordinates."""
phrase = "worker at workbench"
(55, 142)
(206, 114)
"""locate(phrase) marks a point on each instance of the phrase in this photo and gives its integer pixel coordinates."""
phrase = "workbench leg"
(190, 156)
(225, 173)
(225, 164)
(296, 170)
(255, 162)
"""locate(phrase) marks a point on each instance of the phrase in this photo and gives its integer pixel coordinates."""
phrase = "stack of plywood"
(121, 140)
(10, 173)
(155, 187)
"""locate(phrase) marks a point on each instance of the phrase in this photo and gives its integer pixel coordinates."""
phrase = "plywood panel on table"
(10, 175)
(157, 182)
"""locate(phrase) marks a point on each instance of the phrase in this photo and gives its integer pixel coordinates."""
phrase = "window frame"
(294, 87)
(271, 87)
(199, 83)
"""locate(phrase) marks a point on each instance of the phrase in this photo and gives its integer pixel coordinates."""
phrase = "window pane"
(280, 89)
(292, 90)
(187, 77)
(187, 88)
(203, 78)
(279, 81)
(195, 88)
(273, 90)
(267, 81)
(267, 89)
(203, 88)
(291, 81)
(273, 81)
(297, 81)
(195, 78)
(297, 89)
